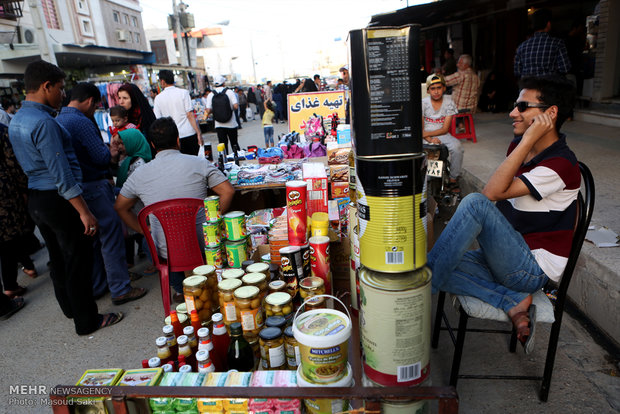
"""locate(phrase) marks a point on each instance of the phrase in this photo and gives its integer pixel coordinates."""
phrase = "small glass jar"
(228, 309)
(277, 286)
(266, 258)
(183, 320)
(259, 268)
(208, 271)
(272, 348)
(259, 280)
(203, 362)
(181, 308)
(279, 304)
(198, 297)
(276, 322)
(312, 286)
(246, 264)
(291, 349)
(232, 274)
(250, 312)
(256, 349)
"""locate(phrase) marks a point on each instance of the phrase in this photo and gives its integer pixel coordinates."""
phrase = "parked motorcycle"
(438, 175)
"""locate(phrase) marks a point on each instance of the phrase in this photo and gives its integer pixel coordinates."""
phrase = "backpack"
(251, 96)
(222, 112)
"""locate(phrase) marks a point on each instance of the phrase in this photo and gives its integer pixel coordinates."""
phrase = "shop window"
(50, 11)
(159, 49)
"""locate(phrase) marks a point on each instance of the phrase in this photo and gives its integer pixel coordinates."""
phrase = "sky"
(286, 37)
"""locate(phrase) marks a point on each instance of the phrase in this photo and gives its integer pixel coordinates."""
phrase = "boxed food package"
(95, 378)
(339, 173)
(275, 378)
(343, 133)
(136, 378)
(338, 154)
(314, 174)
(340, 189)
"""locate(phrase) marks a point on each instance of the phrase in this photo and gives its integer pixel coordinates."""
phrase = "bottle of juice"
(191, 338)
(240, 353)
(163, 351)
(186, 351)
(172, 341)
(204, 340)
(195, 320)
(221, 341)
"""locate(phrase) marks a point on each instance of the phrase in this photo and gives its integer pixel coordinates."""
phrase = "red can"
(319, 260)
(297, 212)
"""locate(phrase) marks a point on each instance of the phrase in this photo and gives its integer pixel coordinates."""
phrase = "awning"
(80, 56)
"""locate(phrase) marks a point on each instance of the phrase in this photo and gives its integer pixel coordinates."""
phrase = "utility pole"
(177, 29)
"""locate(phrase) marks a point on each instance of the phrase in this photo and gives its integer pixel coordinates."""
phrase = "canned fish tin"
(211, 231)
(235, 226)
(395, 326)
(214, 256)
(392, 213)
(236, 253)
(291, 267)
(319, 260)
(297, 212)
(212, 208)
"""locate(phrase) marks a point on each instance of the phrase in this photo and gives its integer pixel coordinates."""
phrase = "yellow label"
(251, 319)
(381, 33)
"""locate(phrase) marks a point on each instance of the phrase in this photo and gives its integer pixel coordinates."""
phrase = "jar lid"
(232, 274)
(253, 278)
(194, 281)
(181, 308)
(217, 317)
(275, 321)
(182, 318)
(289, 331)
(204, 270)
(234, 214)
(235, 328)
(229, 284)
(311, 282)
(202, 355)
(188, 330)
(270, 333)
(182, 339)
(202, 332)
(161, 341)
(154, 362)
(277, 298)
(246, 292)
(168, 329)
(258, 268)
(277, 284)
(185, 368)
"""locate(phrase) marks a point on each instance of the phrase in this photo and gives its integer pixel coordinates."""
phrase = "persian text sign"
(301, 106)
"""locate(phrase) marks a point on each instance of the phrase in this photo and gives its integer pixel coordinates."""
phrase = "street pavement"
(38, 345)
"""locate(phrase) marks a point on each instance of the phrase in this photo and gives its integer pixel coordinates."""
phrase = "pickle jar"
(198, 297)
(291, 349)
(277, 286)
(279, 304)
(181, 308)
(183, 320)
(256, 349)
(208, 271)
(226, 288)
(232, 274)
(312, 286)
(249, 310)
(272, 348)
(276, 322)
(259, 280)
(259, 268)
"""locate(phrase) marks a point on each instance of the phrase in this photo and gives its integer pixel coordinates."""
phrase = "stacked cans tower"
(394, 283)
(295, 258)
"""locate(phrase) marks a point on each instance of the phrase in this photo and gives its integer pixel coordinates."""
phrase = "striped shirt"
(546, 217)
(465, 91)
(540, 55)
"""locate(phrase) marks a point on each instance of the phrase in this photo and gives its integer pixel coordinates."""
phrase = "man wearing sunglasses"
(524, 239)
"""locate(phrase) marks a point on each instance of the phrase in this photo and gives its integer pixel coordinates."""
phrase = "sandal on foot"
(16, 305)
(133, 294)
(110, 319)
(30, 272)
(523, 330)
(528, 345)
(150, 271)
(17, 292)
(133, 276)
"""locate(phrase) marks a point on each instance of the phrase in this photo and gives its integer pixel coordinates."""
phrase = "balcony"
(10, 10)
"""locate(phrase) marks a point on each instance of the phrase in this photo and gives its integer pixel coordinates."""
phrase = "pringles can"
(305, 257)
(297, 212)
(292, 268)
(319, 260)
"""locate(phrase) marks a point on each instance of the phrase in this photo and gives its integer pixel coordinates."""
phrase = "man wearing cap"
(177, 104)
(437, 113)
(225, 130)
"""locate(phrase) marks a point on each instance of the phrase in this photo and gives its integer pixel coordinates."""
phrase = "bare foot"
(520, 318)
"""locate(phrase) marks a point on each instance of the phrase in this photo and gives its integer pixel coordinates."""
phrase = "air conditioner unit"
(122, 35)
(27, 35)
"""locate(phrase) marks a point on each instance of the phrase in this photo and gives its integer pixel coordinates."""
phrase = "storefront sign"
(301, 106)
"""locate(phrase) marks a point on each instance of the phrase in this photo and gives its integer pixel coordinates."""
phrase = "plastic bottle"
(191, 338)
(240, 355)
(176, 325)
(186, 351)
(221, 341)
(145, 363)
(186, 368)
(172, 341)
(163, 351)
(204, 340)
(195, 320)
(203, 362)
(221, 160)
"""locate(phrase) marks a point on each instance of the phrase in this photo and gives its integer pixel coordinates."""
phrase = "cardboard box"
(314, 174)
(96, 378)
(338, 154)
(339, 173)
(340, 189)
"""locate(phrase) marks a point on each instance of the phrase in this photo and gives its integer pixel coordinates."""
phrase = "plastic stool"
(468, 123)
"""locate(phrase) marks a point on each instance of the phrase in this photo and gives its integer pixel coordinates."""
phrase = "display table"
(446, 396)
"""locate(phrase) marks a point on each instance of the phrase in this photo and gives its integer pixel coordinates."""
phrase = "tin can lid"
(311, 282)
(233, 243)
(291, 249)
(395, 281)
(234, 214)
(253, 278)
(194, 281)
(270, 333)
(257, 268)
(232, 274)
(319, 240)
(277, 298)
(229, 284)
(213, 197)
(203, 270)
(214, 248)
(246, 292)
(296, 184)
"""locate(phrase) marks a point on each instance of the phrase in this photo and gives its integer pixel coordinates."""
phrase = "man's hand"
(433, 140)
(124, 209)
(90, 223)
(541, 125)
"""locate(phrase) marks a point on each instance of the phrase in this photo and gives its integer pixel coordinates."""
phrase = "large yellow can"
(391, 201)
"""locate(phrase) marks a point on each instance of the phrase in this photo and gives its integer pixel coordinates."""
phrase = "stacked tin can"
(390, 273)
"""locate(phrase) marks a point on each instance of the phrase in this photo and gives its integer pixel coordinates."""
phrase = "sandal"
(528, 345)
(17, 292)
(150, 270)
(522, 328)
(110, 319)
(16, 305)
(30, 272)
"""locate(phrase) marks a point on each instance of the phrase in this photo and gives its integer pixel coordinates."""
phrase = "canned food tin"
(319, 260)
(212, 208)
(235, 226)
(392, 213)
(236, 253)
(211, 232)
(291, 267)
(297, 212)
(214, 256)
(395, 326)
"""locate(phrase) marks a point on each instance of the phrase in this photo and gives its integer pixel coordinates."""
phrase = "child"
(268, 123)
(120, 120)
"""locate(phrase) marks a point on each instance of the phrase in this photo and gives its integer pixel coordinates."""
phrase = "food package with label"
(314, 174)
(275, 378)
(164, 404)
(95, 378)
(188, 404)
(338, 154)
(340, 189)
(339, 173)
(138, 378)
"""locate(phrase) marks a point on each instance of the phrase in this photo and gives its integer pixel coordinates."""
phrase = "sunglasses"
(522, 106)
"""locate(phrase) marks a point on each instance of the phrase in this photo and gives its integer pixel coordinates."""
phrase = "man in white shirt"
(226, 130)
(177, 104)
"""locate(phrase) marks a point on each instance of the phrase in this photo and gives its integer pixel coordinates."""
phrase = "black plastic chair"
(556, 310)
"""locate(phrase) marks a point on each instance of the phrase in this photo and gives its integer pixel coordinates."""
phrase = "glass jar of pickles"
(208, 271)
(256, 279)
(291, 349)
(280, 304)
(183, 320)
(232, 274)
(250, 312)
(272, 348)
(277, 286)
(254, 344)
(309, 287)
(198, 297)
(259, 268)
(226, 299)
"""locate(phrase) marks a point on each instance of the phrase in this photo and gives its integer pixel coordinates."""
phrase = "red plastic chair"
(178, 221)
(468, 124)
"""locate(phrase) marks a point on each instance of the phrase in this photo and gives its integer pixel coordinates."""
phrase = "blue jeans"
(502, 272)
(268, 131)
(109, 264)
